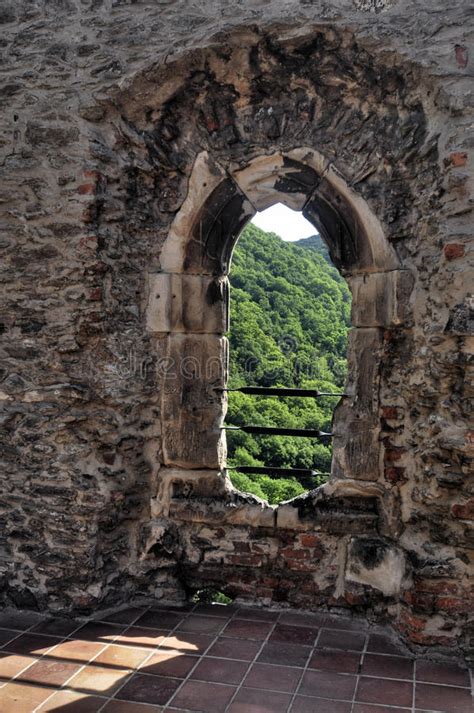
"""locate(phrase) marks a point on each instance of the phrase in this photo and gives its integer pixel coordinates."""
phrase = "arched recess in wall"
(188, 300)
(308, 118)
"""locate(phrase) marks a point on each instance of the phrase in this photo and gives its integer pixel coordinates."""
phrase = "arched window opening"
(289, 320)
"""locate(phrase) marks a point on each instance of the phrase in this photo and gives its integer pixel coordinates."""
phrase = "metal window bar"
(277, 431)
(282, 391)
(306, 476)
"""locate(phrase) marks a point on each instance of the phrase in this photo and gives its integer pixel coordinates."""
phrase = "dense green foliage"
(290, 313)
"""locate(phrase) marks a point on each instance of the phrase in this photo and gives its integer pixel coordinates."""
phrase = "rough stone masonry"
(136, 140)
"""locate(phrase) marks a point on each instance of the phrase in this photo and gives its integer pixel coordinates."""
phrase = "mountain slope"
(290, 313)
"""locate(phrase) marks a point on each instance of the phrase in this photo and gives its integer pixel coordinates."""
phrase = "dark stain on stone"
(370, 552)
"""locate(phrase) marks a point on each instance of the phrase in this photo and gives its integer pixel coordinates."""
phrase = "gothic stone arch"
(314, 121)
(188, 305)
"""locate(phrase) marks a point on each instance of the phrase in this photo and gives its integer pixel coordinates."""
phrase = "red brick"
(464, 511)
(437, 586)
(395, 475)
(462, 55)
(410, 621)
(309, 540)
(290, 553)
(420, 601)
(86, 189)
(456, 159)
(393, 453)
(244, 560)
(454, 605)
(91, 173)
(392, 413)
(96, 294)
(301, 566)
(452, 251)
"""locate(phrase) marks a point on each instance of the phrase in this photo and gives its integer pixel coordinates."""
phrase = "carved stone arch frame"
(187, 305)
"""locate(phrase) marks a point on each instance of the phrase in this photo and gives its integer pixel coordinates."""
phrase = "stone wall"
(112, 480)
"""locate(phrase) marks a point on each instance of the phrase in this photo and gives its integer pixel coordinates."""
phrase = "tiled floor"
(217, 659)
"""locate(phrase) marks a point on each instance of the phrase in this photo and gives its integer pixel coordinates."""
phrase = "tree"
(290, 314)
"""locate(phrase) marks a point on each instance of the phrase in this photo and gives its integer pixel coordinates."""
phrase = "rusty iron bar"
(276, 431)
(281, 391)
(269, 470)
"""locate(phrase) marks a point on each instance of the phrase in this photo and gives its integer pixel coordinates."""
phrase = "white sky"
(288, 224)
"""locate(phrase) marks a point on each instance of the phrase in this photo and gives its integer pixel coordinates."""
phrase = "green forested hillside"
(290, 313)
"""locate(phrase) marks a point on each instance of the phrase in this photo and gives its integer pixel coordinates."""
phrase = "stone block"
(179, 484)
(381, 299)
(193, 403)
(356, 449)
(271, 179)
(377, 563)
(191, 304)
(206, 175)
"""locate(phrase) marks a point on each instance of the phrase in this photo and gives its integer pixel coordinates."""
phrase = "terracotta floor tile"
(338, 661)
(12, 664)
(170, 663)
(35, 644)
(99, 679)
(21, 697)
(7, 635)
(376, 690)
(191, 643)
(72, 702)
(443, 698)
(303, 704)
(249, 630)
(99, 632)
(142, 688)
(49, 672)
(255, 614)
(124, 616)
(346, 640)
(228, 648)
(447, 673)
(202, 624)
(122, 656)
(250, 700)
(115, 706)
(369, 708)
(294, 634)
(285, 654)
(204, 697)
(137, 636)
(73, 650)
(326, 684)
(56, 627)
(164, 620)
(275, 678)
(381, 644)
(220, 671)
(387, 666)
(19, 620)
